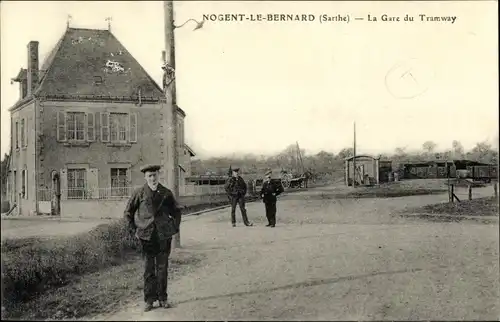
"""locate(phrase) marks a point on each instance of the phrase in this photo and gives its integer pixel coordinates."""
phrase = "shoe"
(234, 225)
(268, 225)
(249, 224)
(272, 226)
(165, 304)
(148, 307)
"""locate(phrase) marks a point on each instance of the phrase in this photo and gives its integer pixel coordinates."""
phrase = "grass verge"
(103, 291)
(396, 189)
(476, 207)
(69, 277)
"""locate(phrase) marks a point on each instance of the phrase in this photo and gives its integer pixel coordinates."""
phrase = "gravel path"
(335, 260)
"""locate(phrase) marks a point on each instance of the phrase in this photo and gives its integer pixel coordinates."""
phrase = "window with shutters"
(75, 126)
(119, 127)
(77, 182)
(119, 181)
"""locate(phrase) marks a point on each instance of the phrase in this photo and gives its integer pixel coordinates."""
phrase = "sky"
(257, 87)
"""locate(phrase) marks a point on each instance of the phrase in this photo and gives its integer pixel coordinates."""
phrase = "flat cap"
(268, 172)
(236, 169)
(150, 167)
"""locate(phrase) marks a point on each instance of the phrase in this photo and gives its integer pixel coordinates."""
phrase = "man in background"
(270, 190)
(153, 217)
(236, 189)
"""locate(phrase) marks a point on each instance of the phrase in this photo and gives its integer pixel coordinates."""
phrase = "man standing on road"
(154, 217)
(268, 193)
(236, 189)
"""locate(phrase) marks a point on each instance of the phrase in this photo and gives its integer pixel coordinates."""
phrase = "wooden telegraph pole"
(170, 93)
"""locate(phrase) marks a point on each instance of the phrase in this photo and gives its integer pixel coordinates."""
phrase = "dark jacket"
(236, 187)
(147, 210)
(270, 190)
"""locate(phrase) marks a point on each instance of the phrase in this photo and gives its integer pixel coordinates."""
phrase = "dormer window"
(98, 80)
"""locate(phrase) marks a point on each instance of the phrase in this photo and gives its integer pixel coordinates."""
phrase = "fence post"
(495, 189)
(452, 192)
(470, 192)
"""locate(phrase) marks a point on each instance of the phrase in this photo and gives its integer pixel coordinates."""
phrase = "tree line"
(322, 163)
(328, 163)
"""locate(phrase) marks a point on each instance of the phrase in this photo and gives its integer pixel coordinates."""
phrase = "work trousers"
(271, 212)
(156, 253)
(238, 200)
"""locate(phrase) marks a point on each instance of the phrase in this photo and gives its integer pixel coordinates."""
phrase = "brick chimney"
(32, 66)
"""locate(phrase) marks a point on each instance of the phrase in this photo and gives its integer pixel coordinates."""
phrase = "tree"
(483, 152)
(400, 153)
(4, 166)
(345, 153)
(458, 149)
(429, 147)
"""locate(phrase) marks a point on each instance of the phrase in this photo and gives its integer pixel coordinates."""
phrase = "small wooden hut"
(369, 170)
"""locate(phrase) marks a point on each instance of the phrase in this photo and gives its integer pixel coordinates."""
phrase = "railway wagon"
(484, 173)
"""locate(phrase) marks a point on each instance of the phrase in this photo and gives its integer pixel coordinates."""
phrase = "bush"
(30, 266)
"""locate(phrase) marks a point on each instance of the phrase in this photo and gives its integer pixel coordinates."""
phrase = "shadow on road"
(318, 282)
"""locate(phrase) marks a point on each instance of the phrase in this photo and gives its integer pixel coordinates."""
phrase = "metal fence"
(122, 192)
(201, 190)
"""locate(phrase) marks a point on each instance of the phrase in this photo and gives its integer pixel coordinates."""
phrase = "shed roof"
(361, 156)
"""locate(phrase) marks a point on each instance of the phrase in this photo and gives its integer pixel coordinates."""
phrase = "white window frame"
(75, 130)
(119, 188)
(71, 188)
(116, 127)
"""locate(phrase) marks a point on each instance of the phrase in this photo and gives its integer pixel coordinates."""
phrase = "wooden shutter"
(105, 127)
(90, 126)
(64, 184)
(26, 184)
(133, 127)
(61, 126)
(93, 183)
(26, 132)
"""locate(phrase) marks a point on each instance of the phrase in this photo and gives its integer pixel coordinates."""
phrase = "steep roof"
(83, 56)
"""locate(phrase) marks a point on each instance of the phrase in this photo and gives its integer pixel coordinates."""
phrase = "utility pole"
(354, 158)
(170, 93)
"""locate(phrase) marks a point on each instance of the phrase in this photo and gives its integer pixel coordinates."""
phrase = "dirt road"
(335, 260)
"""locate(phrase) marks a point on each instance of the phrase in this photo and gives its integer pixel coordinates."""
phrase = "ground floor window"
(77, 182)
(119, 182)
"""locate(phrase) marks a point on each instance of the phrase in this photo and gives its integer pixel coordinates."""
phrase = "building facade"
(90, 116)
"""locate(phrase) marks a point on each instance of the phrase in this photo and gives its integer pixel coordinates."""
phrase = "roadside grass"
(65, 277)
(477, 207)
(396, 189)
(102, 291)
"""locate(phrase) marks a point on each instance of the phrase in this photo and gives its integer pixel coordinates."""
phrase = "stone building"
(91, 114)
